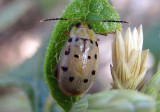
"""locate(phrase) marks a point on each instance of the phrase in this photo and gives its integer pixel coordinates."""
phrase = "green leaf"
(85, 10)
(115, 101)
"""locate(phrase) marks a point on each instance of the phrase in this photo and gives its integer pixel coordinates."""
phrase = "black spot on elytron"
(95, 56)
(71, 79)
(76, 39)
(96, 44)
(89, 57)
(76, 56)
(70, 39)
(64, 68)
(89, 26)
(78, 24)
(67, 52)
(93, 72)
(85, 80)
(91, 41)
(84, 39)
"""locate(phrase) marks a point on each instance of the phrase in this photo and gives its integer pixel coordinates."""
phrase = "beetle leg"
(56, 72)
(67, 34)
(104, 34)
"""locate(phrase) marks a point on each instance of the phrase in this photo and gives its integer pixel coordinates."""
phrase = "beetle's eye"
(89, 26)
(78, 24)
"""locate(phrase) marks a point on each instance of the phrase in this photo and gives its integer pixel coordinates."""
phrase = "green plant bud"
(115, 101)
(152, 88)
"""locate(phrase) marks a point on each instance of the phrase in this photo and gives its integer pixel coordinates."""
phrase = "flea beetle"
(78, 61)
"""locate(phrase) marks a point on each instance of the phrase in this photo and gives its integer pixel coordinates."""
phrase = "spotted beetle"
(78, 61)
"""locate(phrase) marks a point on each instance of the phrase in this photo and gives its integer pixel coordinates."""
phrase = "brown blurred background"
(21, 35)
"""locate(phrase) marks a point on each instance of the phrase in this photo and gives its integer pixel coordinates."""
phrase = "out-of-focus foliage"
(152, 41)
(29, 77)
(47, 5)
(12, 12)
(51, 106)
(13, 99)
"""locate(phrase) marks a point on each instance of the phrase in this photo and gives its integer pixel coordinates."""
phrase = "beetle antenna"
(53, 19)
(114, 21)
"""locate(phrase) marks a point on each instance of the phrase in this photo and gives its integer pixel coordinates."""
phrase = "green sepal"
(152, 88)
(115, 101)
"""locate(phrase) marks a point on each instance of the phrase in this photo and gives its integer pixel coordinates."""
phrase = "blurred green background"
(23, 43)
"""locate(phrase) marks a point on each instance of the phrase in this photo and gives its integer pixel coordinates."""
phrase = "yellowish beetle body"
(78, 62)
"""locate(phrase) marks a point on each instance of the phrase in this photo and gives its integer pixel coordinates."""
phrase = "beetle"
(78, 61)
